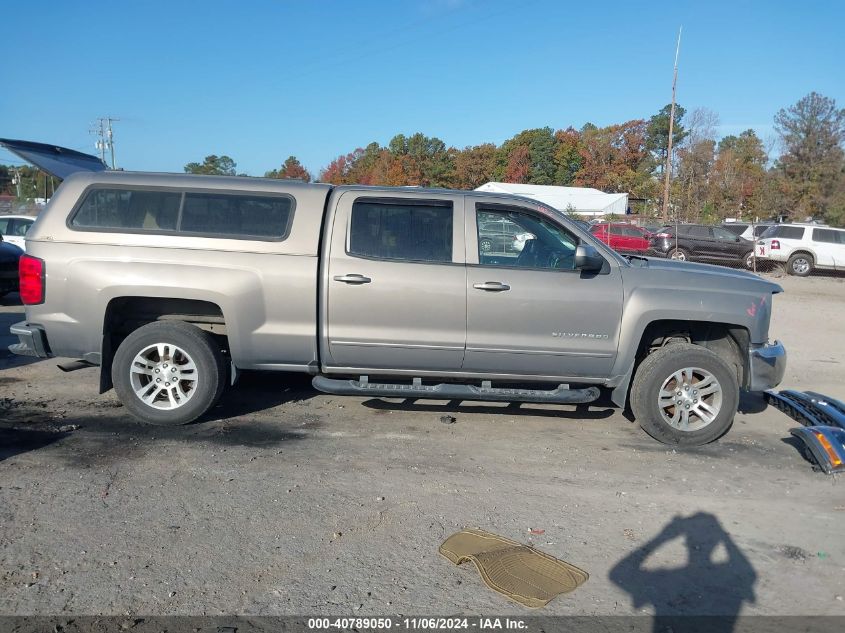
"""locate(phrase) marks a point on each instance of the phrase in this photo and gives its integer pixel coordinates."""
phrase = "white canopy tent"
(580, 200)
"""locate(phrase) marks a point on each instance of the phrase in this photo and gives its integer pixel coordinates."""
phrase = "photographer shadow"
(712, 587)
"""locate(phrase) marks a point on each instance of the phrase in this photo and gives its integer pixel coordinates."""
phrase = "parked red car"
(625, 238)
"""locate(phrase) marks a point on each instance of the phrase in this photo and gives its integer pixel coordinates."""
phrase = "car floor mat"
(518, 571)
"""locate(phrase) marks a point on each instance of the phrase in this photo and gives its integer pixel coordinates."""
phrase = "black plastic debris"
(823, 430)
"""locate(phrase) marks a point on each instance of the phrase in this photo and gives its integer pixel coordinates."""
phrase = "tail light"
(31, 276)
(662, 235)
(775, 245)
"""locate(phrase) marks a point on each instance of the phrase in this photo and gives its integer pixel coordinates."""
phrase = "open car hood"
(57, 161)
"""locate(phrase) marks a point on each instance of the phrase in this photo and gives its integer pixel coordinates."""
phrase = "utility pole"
(100, 144)
(668, 167)
(17, 181)
(105, 138)
(111, 139)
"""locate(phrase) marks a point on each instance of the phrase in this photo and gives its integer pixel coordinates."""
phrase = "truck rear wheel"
(168, 373)
(685, 395)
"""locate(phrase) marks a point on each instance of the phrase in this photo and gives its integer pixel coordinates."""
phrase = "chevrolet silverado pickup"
(172, 283)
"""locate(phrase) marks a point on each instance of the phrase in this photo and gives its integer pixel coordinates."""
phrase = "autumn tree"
(351, 168)
(213, 165)
(363, 162)
(291, 169)
(430, 156)
(615, 159)
(738, 174)
(657, 133)
(518, 166)
(528, 157)
(811, 170)
(337, 171)
(568, 159)
(474, 166)
(695, 158)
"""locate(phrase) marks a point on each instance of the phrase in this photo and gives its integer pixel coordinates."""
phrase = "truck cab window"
(402, 230)
(523, 240)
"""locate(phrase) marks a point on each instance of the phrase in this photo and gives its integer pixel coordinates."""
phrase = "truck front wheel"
(168, 373)
(685, 395)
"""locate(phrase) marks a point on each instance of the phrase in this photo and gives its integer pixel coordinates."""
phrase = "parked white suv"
(13, 228)
(746, 230)
(803, 247)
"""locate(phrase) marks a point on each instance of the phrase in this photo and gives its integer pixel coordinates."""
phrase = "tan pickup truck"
(171, 284)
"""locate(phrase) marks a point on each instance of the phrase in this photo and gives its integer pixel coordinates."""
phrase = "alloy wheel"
(690, 399)
(163, 376)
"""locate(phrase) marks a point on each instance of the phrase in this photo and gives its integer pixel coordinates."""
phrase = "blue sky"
(261, 80)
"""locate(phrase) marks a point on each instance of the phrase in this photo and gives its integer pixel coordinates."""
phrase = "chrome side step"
(444, 391)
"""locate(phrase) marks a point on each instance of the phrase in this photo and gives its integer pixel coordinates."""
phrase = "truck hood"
(714, 273)
(660, 289)
(56, 161)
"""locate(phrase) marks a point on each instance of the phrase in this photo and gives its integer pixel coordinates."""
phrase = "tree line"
(736, 176)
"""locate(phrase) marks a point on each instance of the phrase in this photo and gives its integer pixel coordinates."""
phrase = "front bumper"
(823, 433)
(32, 340)
(767, 365)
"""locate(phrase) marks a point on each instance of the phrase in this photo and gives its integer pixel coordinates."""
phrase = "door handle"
(492, 286)
(354, 278)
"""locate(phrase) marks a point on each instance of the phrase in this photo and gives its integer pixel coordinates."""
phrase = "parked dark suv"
(9, 258)
(698, 242)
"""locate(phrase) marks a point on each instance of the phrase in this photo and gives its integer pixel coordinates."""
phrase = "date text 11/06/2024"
(424, 623)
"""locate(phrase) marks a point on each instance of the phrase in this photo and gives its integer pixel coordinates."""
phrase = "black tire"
(678, 254)
(486, 246)
(657, 368)
(748, 261)
(800, 264)
(211, 371)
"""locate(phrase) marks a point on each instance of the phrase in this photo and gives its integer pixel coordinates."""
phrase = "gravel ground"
(287, 501)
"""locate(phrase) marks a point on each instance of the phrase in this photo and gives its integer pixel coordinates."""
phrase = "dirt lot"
(292, 502)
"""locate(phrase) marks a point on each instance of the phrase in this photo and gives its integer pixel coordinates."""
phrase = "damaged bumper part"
(823, 433)
(767, 365)
(32, 340)
(808, 407)
(826, 446)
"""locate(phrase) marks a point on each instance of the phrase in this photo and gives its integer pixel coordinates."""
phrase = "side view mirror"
(737, 238)
(587, 258)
